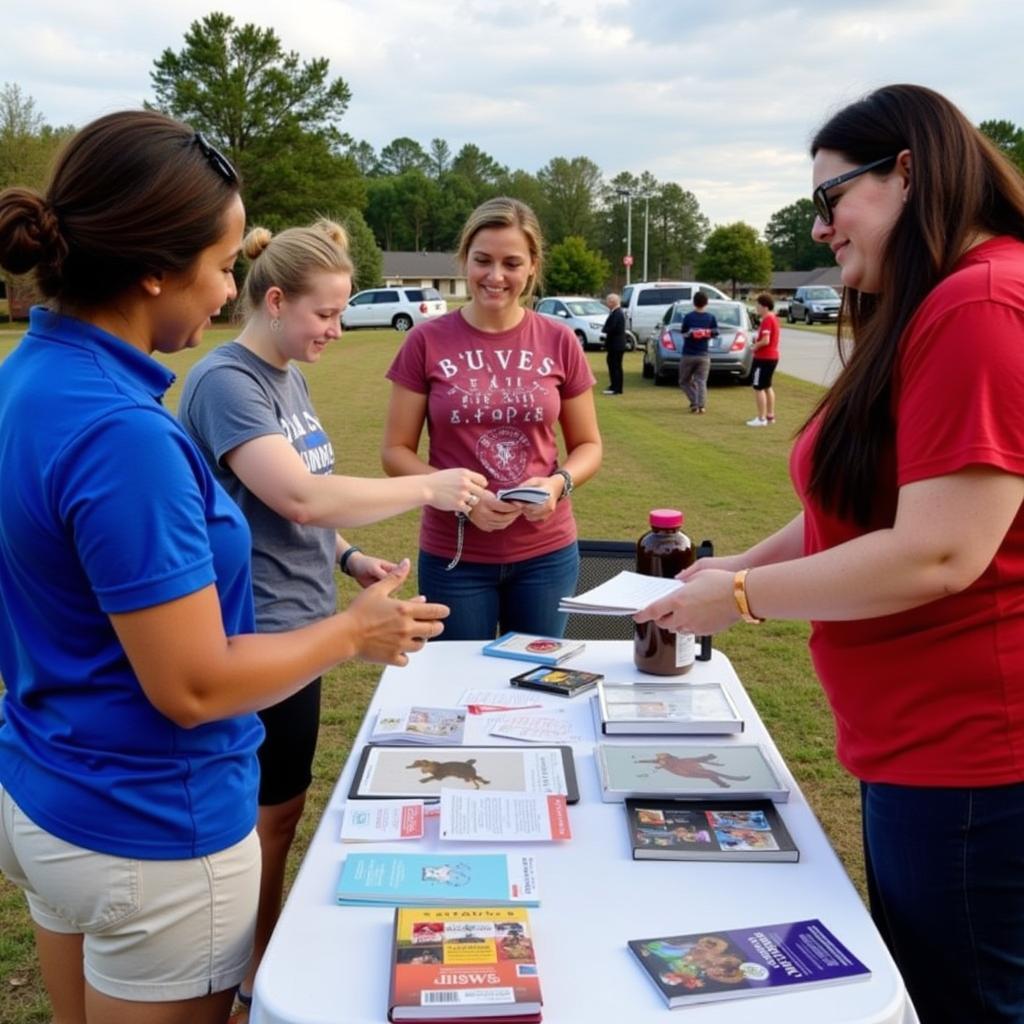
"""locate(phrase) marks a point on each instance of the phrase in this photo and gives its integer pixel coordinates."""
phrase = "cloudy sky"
(718, 97)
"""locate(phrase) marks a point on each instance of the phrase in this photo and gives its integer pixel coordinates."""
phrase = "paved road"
(809, 356)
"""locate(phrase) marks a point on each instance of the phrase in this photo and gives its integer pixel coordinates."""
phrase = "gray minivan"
(645, 303)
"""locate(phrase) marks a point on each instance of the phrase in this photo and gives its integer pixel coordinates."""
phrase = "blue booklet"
(541, 650)
(441, 879)
(734, 963)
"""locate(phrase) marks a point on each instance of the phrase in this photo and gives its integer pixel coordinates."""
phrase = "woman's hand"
(368, 569)
(490, 513)
(537, 512)
(455, 490)
(387, 628)
(704, 605)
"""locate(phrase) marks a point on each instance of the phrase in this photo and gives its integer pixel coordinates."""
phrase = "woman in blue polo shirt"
(127, 755)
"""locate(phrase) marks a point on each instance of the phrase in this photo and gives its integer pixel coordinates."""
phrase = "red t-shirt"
(769, 328)
(934, 696)
(492, 404)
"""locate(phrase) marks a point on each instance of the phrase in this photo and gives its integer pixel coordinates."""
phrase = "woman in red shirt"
(908, 556)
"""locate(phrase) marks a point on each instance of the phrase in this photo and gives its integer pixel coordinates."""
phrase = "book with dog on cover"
(438, 879)
(462, 965)
(708, 830)
(734, 963)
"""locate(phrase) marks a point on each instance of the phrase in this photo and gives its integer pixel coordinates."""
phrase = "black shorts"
(286, 754)
(761, 373)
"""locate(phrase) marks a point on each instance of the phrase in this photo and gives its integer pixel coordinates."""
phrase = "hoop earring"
(275, 324)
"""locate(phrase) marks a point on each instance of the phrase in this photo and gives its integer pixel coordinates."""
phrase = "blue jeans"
(486, 599)
(945, 874)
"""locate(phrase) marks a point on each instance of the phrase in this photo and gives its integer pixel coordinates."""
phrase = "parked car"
(644, 303)
(585, 316)
(814, 302)
(730, 352)
(399, 308)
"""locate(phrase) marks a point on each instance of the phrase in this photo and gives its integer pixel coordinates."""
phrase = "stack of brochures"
(624, 594)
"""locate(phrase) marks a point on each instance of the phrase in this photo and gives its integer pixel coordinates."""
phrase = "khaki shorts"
(154, 930)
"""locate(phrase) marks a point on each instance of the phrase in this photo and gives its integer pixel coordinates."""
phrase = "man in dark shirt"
(614, 343)
(699, 327)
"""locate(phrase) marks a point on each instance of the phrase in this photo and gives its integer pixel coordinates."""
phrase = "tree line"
(277, 118)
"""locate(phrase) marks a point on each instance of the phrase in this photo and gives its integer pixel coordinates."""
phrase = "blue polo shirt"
(107, 506)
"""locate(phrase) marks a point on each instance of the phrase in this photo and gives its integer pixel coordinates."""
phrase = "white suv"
(645, 303)
(399, 308)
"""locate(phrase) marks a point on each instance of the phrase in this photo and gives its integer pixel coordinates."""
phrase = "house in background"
(438, 270)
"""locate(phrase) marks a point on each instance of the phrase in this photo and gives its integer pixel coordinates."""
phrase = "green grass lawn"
(731, 483)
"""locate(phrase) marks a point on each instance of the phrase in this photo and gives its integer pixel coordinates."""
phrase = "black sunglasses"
(218, 161)
(822, 203)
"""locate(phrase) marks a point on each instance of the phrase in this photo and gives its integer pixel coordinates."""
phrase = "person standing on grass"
(128, 650)
(908, 556)
(490, 382)
(247, 407)
(766, 358)
(699, 327)
(614, 343)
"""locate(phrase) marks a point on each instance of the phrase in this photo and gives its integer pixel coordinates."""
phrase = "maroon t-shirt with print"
(493, 400)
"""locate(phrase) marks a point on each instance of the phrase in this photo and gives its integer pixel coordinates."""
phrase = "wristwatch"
(567, 477)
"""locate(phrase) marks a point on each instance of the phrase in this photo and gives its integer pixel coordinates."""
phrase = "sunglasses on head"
(822, 203)
(217, 160)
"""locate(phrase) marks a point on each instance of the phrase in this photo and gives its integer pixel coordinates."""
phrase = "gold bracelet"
(739, 591)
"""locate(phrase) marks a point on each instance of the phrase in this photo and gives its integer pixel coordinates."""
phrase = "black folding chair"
(600, 560)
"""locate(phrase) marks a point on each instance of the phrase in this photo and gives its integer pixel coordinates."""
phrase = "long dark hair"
(132, 193)
(960, 184)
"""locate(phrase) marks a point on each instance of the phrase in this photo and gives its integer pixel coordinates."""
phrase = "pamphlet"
(382, 821)
(624, 594)
(535, 727)
(508, 817)
(419, 724)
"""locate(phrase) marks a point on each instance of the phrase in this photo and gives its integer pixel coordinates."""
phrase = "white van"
(645, 303)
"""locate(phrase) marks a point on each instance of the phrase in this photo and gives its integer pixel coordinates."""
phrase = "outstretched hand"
(388, 629)
(455, 490)
(705, 605)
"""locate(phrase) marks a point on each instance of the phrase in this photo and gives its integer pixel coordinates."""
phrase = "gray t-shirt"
(232, 396)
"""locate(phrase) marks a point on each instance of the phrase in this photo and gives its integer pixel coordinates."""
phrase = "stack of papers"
(624, 594)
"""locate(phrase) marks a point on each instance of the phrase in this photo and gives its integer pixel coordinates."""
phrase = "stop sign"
(627, 261)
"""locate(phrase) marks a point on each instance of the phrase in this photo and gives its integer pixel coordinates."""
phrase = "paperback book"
(748, 830)
(461, 965)
(709, 966)
(530, 495)
(543, 650)
(438, 879)
(683, 709)
(740, 771)
(566, 682)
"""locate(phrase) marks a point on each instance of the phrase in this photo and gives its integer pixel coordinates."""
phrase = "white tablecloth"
(328, 964)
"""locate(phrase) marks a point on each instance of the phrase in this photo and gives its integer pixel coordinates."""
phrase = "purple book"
(740, 962)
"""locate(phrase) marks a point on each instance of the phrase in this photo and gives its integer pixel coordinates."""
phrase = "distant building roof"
(421, 264)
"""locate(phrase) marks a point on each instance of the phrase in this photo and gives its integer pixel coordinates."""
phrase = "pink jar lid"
(666, 518)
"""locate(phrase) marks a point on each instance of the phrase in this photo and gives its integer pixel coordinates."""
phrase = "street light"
(647, 205)
(629, 229)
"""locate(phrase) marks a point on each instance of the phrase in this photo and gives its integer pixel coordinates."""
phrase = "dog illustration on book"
(436, 771)
(694, 768)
